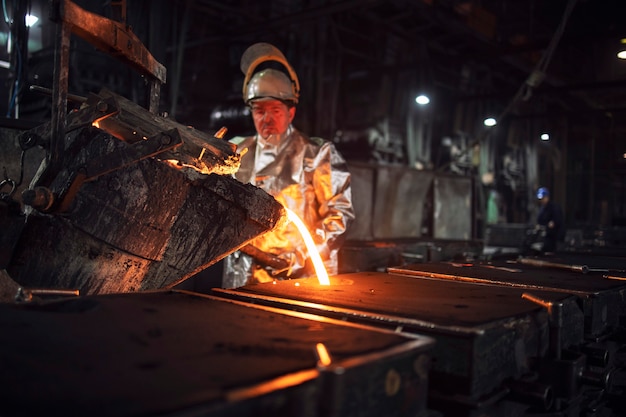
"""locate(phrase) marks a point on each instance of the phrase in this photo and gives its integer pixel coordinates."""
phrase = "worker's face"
(271, 117)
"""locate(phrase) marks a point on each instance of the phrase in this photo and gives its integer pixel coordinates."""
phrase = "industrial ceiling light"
(545, 136)
(422, 99)
(30, 20)
(489, 122)
(622, 52)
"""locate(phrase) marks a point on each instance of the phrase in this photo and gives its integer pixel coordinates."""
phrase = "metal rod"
(49, 92)
(540, 263)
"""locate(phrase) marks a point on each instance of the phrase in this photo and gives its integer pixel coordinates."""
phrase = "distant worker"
(305, 174)
(550, 219)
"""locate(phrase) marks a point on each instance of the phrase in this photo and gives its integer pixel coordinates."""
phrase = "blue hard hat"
(542, 192)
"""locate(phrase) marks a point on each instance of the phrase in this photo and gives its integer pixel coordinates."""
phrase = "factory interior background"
(538, 68)
(450, 115)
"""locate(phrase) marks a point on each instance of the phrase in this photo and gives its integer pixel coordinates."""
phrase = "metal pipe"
(26, 294)
(49, 92)
(541, 263)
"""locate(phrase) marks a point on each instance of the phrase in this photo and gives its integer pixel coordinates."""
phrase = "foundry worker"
(550, 217)
(305, 174)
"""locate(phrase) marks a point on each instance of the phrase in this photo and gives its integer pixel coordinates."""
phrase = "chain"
(11, 182)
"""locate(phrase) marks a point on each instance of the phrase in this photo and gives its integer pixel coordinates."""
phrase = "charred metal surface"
(137, 203)
(104, 156)
(146, 226)
(603, 299)
(486, 335)
(176, 353)
(131, 123)
(42, 135)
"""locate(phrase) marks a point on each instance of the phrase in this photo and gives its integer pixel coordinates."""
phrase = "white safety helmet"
(270, 84)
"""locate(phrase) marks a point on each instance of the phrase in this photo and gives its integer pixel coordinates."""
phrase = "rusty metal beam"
(112, 37)
(59, 92)
(116, 39)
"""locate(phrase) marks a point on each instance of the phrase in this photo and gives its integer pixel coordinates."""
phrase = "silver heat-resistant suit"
(308, 176)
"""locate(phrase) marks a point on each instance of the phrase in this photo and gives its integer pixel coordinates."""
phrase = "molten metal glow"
(322, 354)
(320, 270)
(96, 122)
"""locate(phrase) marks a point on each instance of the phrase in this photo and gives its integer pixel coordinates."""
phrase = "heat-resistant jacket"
(308, 176)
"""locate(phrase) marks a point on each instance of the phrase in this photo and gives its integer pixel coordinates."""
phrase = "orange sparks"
(320, 270)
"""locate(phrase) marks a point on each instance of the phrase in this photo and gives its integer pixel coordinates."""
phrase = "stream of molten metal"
(320, 270)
